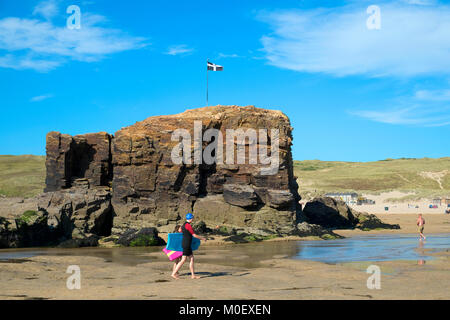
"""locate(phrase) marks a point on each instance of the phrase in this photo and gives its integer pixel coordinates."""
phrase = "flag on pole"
(214, 67)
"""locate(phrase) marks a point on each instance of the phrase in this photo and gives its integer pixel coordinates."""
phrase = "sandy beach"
(384, 200)
(226, 274)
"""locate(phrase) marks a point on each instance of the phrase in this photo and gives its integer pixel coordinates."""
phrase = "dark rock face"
(8, 238)
(28, 230)
(79, 212)
(329, 213)
(139, 238)
(85, 156)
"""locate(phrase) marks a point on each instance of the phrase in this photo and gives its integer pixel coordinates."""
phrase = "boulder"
(140, 238)
(201, 228)
(329, 213)
(279, 199)
(215, 211)
(240, 195)
(367, 221)
(305, 229)
(76, 212)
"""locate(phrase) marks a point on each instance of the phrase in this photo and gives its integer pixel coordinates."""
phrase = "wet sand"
(259, 272)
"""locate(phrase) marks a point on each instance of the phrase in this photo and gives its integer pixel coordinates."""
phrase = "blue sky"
(352, 94)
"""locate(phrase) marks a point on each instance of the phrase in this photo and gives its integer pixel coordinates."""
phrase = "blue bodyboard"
(174, 242)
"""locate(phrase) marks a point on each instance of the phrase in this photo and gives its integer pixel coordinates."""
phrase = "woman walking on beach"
(420, 223)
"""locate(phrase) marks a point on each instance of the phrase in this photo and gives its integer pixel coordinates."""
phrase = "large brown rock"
(148, 186)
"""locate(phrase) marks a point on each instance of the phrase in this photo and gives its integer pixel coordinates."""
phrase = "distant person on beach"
(420, 223)
(188, 233)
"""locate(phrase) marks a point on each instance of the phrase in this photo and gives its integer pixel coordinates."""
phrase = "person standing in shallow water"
(420, 224)
(188, 233)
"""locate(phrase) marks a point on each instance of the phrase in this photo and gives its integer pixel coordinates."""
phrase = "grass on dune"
(22, 176)
(409, 175)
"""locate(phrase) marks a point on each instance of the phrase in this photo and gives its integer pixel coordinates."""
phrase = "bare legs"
(175, 265)
(178, 266)
(422, 236)
(191, 266)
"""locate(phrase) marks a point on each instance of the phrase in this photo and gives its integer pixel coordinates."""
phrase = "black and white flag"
(214, 67)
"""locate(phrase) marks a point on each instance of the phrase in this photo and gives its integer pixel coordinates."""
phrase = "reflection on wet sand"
(358, 248)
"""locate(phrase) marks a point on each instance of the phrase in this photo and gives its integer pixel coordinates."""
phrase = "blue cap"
(189, 216)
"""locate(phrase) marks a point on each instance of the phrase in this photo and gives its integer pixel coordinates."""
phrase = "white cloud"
(425, 108)
(179, 49)
(413, 40)
(225, 56)
(40, 45)
(41, 98)
(421, 2)
(28, 62)
(48, 9)
(433, 95)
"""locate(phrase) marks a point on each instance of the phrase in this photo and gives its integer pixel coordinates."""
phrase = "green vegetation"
(28, 216)
(317, 177)
(254, 237)
(327, 236)
(22, 176)
(144, 241)
(223, 229)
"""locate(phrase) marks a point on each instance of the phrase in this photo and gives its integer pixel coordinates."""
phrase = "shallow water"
(358, 248)
(372, 248)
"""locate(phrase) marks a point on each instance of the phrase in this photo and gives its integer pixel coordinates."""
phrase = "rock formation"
(329, 213)
(97, 181)
(148, 186)
(335, 214)
(84, 156)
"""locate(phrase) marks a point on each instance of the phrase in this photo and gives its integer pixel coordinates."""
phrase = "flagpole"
(207, 60)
